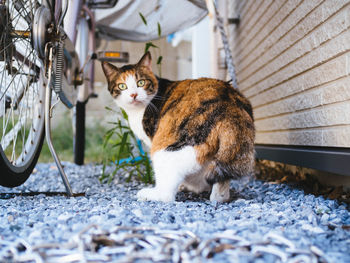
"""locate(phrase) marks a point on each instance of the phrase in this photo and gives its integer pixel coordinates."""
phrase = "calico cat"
(200, 132)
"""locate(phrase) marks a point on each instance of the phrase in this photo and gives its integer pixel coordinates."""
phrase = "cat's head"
(132, 86)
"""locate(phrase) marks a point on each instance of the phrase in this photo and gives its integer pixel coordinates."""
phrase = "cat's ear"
(146, 60)
(110, 70)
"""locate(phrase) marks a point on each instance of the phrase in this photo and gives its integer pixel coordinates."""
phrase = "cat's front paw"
(146, 194)
(152, 194)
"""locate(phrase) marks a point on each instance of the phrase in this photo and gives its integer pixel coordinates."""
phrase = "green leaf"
(131, 174)
(120, 142)
(110, 179)
(119, 126)
(159, 30)
(122, 127)
(143, 18)
(116, 145)
(108, 108)
(108, 136)
(111, 131)
(122, 146)
(148, 169)
(149, 45)
(112, 122)
(159, 60)
(125, 115)
(104, 175)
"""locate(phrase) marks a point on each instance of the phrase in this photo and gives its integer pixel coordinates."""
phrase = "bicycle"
(46, 46)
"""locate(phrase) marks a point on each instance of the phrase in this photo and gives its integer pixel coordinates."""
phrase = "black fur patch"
(191, 134)
(245, 106)
(151, 117)
(171, 105)
(222, 172)
(225, 93)
(127, 67)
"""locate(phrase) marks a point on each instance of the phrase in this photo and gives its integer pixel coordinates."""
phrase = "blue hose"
(136, 159)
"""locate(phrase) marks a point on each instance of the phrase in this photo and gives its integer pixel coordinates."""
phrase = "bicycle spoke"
(21, 94)
(19, 123)
(19, 5)
(15, 20)
(26, 106)
(13, 78)
(16, 79)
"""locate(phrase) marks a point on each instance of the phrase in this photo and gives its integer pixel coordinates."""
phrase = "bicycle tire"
(79, 134)
(12, 176)
(22, 96)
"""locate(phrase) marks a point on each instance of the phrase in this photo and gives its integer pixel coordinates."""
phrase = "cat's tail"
(235, 154)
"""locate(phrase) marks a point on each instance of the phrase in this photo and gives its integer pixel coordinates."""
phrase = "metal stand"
(48, 94)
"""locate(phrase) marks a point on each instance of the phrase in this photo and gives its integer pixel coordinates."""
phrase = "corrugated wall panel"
(296, 44)
(293, 62)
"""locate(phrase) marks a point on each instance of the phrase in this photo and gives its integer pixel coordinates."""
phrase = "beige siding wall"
(293, 62)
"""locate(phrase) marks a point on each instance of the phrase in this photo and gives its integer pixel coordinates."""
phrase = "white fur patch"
(220, 192)
(170, 169)
(135, 111)
(126, 101)
(196, 183)
(131, 84)
(135, 121)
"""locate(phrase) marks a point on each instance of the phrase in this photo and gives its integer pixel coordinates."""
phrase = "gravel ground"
(264, 222)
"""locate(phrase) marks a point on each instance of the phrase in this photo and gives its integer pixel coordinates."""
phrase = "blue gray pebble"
(259, 209)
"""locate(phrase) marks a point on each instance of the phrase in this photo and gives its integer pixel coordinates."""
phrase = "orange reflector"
(112, 54)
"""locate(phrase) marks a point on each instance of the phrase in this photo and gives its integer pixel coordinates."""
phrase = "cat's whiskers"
(153, 108)
(157, 97)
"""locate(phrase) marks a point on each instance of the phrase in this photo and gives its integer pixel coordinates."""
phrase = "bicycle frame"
(82, 37)
(45, 46)
(75, 59)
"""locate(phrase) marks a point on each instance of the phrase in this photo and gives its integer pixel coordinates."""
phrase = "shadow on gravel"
(308, 183)
(13, 195)
(205, 196)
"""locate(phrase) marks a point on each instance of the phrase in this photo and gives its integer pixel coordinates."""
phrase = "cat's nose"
(134, 95)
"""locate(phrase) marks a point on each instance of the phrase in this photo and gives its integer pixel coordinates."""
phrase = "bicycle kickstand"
(48, 94)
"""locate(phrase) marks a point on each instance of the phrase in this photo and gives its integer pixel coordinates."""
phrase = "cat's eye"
(122, 86)
(141, 83)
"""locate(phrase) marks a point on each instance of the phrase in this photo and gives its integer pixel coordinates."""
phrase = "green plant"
(127, 155)
(150, 44)
(63, 141)
(62, 138)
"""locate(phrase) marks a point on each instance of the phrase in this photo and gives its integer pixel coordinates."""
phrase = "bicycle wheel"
(21, 93)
